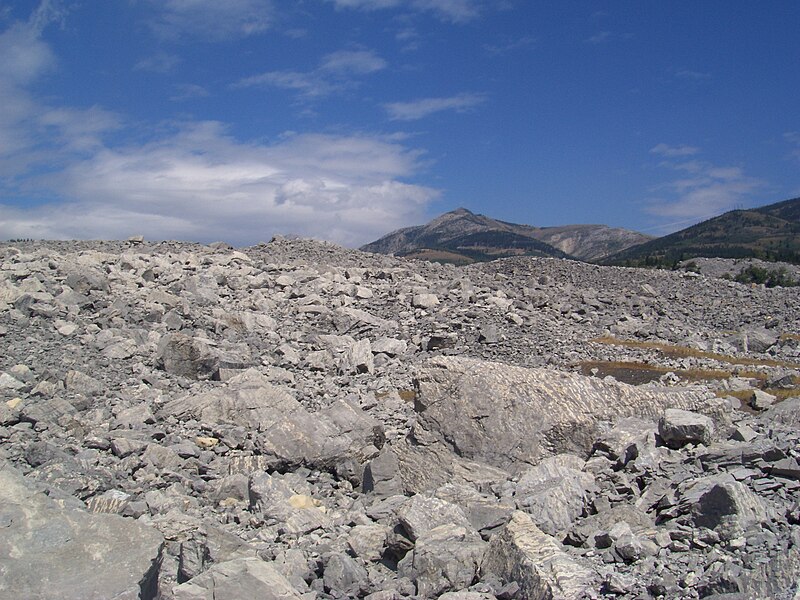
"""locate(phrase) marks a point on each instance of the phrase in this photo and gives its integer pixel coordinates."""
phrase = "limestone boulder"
(51, 551)
(513, 417)
(237, 579)
(523, 553)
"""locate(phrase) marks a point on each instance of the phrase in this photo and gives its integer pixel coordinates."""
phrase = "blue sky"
(345, 119)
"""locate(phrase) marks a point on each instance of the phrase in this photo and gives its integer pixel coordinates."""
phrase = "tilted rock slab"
(512, 417)
(48, 551)
(236, 580)
(288, 435)
(523, 553)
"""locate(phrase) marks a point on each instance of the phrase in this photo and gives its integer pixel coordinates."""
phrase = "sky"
(343, 120)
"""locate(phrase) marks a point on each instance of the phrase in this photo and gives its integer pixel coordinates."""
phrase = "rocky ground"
(298, 420)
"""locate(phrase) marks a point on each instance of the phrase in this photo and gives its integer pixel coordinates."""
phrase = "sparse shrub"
(770, 278)
(691, 266)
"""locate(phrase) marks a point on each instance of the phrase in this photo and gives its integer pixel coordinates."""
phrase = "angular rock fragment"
(680, 427)
(554, 493)
(761, 400)
(445, 558)
(49, 551)
(721, 503)
(182, 355)
(422, 513)
(522, 553)
(235, 580)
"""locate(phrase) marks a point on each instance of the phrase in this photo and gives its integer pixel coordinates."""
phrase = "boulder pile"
(298, 420)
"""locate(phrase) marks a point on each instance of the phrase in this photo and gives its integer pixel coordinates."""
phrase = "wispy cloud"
(698, 189)
(509, 45)
(161, 62)
(691, 75)
(674, 151)
(187, 91)
(211, 19)
(600, 37)
(31, 132)
(793, 138)
(454, 11)
(355, 62)
(80, 130)
(337, 71)
(419, 109)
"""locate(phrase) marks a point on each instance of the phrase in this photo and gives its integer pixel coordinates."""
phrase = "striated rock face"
(50, 551)
(511, 417)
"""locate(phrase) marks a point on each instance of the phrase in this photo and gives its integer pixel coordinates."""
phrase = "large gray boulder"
(680, 427)
(513, 417)
(523, 553)
(445, 558)
(554, 492)
(287, 434)
(50, 551)
(182, 355)
(721, 503)
(235, 580)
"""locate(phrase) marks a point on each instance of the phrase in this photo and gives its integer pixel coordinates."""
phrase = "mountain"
(462, 236)
(590, 243)
(770, 233)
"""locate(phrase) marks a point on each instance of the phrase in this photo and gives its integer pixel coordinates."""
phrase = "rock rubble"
(298, 420)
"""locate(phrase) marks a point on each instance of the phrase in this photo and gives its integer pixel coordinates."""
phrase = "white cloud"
(25, 55)
(337, 71)
(201, 184)
(418, 109)
(358, 62)
(77, 129)
(30, 132)
(194, 181)
(674, 151)
(455, 11)
(703, 191)
(212, 19)
(187, 91)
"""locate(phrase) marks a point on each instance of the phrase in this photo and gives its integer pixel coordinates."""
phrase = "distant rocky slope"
(462, 237)
(769, 233)
(296, 420)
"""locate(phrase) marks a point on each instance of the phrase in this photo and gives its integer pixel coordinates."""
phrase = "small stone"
(761, 400)
(206, 442)
(424, 300)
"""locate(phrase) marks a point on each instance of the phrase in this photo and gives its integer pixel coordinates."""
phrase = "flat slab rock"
(512, 417)
(48, 551)
(236, 580)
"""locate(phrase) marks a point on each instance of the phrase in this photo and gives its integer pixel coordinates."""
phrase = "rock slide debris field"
(298, 420)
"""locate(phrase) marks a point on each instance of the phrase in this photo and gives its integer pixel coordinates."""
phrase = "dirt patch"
(673, 351)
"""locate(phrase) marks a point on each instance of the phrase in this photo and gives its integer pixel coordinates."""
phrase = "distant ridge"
(769, 233)
(461, 237)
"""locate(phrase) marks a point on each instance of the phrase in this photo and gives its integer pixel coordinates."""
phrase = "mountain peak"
(460, 211)
(462, 236)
